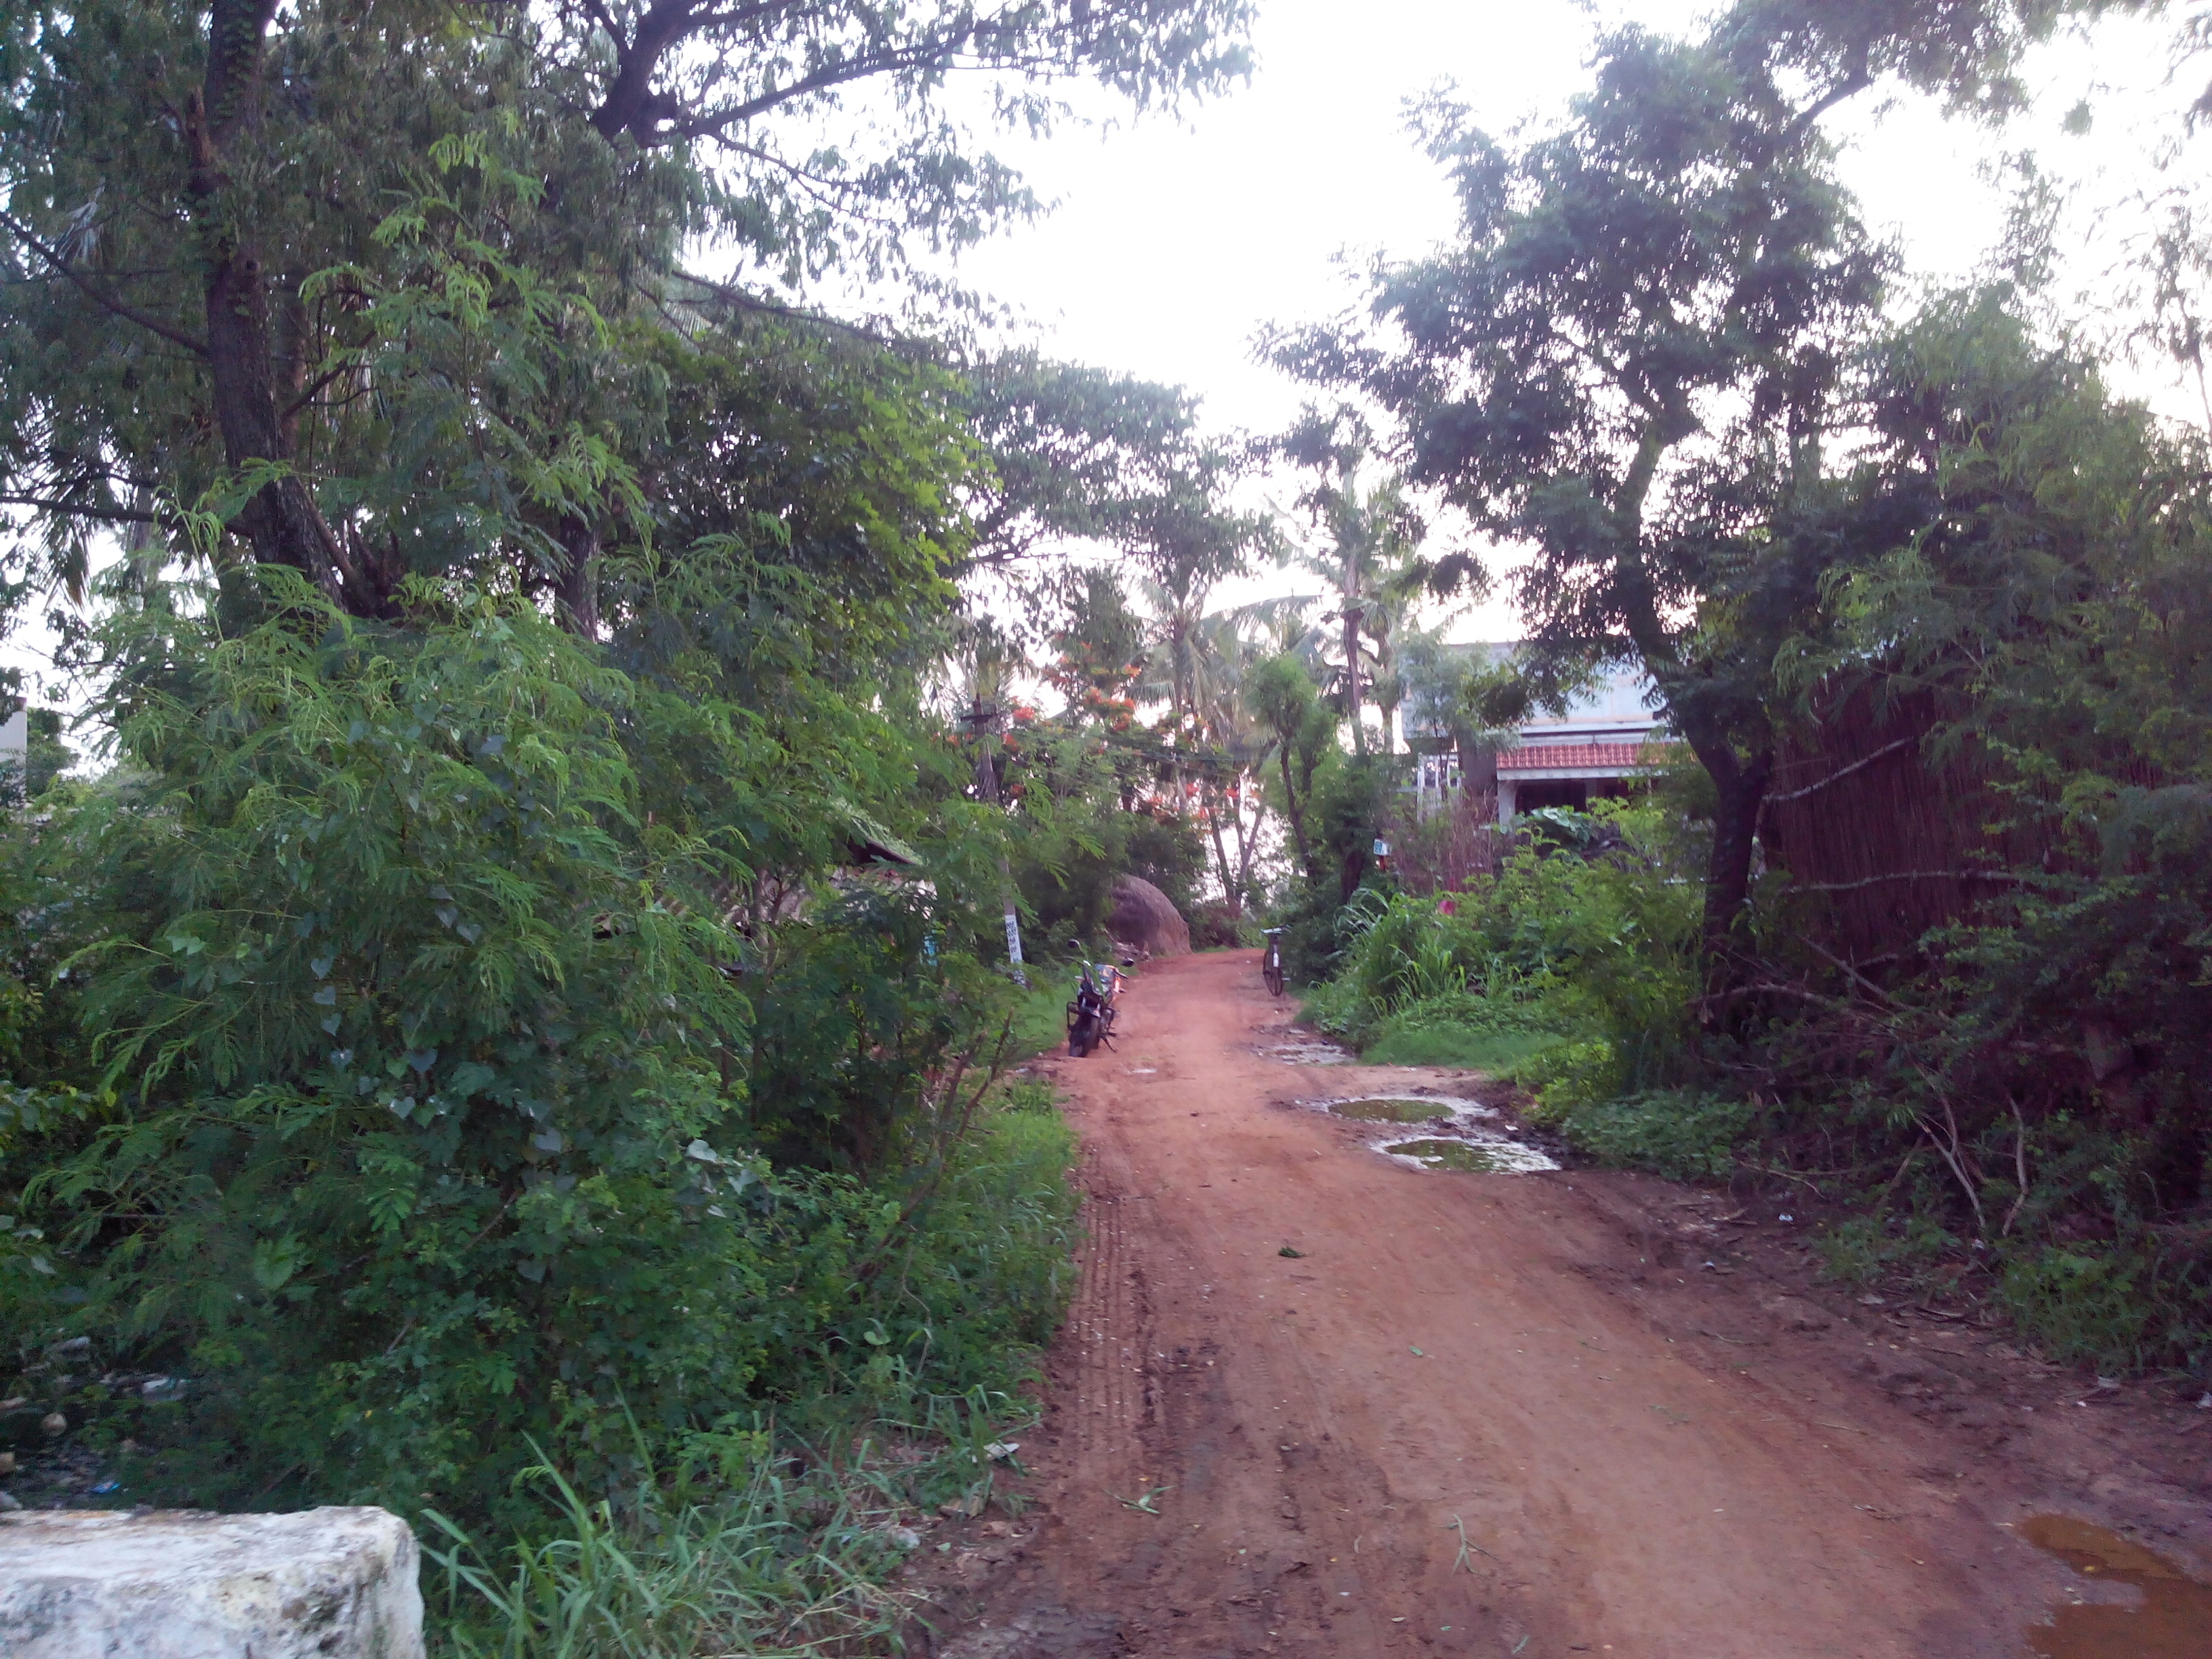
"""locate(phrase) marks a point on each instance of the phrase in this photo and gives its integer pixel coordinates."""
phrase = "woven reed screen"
(1897, 842)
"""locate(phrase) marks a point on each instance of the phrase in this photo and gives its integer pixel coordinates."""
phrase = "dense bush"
(1602, 938)
(1076, 845)
(1214, 926)
(415, 1127)
(1573, 969)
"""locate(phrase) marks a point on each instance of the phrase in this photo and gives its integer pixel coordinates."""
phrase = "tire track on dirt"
(1440, 1349)
(1109, 1326)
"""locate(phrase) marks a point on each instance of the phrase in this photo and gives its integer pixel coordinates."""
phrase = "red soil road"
(1623, 1485)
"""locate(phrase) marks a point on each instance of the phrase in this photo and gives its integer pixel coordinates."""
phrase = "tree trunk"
(280, 518)
(1740, 789)
(1351, 615)
(1247, 844)
(1353, 871)
(987, 780)
(1295, 810)
(1221, 858)
(579, 588)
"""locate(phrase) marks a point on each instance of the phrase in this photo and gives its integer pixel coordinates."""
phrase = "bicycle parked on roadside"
(1271, 969)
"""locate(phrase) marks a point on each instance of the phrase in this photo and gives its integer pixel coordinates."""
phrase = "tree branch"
(1860, 764)
(1860, 78)
(1910, 875)
(1871, 988)
(106, 301)
(107, 514)
(309, 394)
(753, 302)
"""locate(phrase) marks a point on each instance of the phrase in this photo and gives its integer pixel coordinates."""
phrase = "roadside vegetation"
(1913, 912)
(509, 1010)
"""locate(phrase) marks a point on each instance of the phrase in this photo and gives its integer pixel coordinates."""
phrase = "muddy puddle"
(1406, 1109)
(1305, 1051)
(1461, 1135)
(2172, 1617)
(1491, 1153)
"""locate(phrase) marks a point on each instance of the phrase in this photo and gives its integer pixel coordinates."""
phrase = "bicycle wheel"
(1274, 973)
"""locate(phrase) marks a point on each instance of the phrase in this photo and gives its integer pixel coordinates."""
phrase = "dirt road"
(1478, 1413)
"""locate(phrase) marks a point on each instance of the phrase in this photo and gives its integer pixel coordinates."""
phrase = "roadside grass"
(1464, 1048)
(1040, 1013)
(1461, 1029)
(781, 1536)
(786, 1565)
(1683, 1134)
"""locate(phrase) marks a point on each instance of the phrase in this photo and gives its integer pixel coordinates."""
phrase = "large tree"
(1076, 454)
(1626, 366)
(363, 279)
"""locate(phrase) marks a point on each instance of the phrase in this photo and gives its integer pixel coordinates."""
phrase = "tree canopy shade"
(1969, 51)
(369, 278)
(1626, 364)
(1076, 452)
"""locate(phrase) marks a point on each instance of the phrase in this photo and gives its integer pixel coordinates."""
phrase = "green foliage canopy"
(1627, 364)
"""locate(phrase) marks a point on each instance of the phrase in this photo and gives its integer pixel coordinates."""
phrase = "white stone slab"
(328, 1584)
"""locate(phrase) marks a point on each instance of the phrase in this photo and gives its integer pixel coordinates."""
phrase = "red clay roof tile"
(1573, 756)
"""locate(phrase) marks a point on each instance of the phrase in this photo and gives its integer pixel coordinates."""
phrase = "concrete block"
(328, 1584)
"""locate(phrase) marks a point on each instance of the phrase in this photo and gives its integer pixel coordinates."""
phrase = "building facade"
(1596, 748)
(1599, 746)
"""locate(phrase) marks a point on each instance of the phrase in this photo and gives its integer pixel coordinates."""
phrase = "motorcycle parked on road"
(1090, 1016)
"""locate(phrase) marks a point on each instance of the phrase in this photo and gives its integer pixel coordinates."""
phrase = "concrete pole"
(987, 780)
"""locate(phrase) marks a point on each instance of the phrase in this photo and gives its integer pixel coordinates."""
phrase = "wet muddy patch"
(2172, 1619)
(1305, 1050)
(1472, 1149)
(1446, 1111)
(1405, 1109)
(1461, 1134)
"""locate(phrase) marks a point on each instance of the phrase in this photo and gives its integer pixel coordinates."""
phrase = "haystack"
(1146, 920)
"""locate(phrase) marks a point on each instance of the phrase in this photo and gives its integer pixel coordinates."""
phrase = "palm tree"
(1238, 741)
(1176, 664)
(1371, 538)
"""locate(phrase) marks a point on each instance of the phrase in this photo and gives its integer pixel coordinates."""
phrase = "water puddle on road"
(2174, 1621)
(1459, 1133)
(1305, 1051)
(1492, 1154)
(1406, 1109)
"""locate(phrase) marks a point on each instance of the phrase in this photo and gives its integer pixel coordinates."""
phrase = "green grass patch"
(1459, 1029)
(1466, 1048)
(1040, 1013)
(1867, 1248)
(1680, 1134)
(781, 1533)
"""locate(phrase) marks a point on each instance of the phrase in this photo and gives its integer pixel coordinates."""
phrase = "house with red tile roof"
(1600, 745)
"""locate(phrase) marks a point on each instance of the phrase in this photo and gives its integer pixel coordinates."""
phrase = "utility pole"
(983, 721)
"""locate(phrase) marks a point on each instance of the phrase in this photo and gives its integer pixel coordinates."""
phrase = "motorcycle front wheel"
(1082, 1034)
